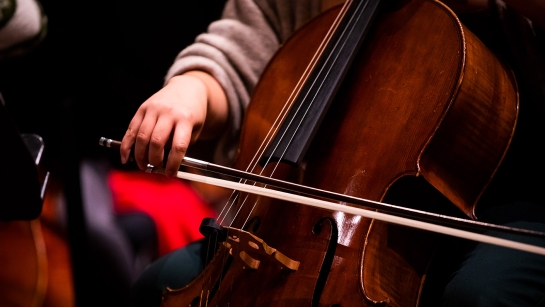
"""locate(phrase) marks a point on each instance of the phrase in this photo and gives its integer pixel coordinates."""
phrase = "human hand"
(176, 115)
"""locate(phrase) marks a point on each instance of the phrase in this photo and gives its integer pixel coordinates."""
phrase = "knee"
(496, 276)
(173, 270)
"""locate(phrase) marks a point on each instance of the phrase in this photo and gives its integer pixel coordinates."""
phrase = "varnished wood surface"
(23, 275)
(400, 115)
(35, 260)
(60, 289)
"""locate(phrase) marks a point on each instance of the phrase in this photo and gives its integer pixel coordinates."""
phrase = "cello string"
(317, 83)
(297, 91)
(207, 260)
(268, 137)
(228, 206)
(291, 99)
(313, 99)
(272, 131)
(277, 123)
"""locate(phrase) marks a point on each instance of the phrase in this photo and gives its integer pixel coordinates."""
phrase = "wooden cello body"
(423, 98)
(35, 266)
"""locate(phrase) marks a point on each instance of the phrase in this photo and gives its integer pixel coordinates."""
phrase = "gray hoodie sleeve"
(235, 50)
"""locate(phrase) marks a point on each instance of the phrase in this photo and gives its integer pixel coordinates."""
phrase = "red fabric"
(173, 205)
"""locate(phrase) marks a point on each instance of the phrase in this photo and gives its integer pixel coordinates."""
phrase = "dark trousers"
(490, 275)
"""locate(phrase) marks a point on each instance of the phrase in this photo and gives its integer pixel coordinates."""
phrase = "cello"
(437, 106)
(33, 250)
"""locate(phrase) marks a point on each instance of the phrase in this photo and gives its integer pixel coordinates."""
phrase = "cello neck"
(328, 70)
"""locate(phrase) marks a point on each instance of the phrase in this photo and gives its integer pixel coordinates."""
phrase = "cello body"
(34, 253)
(423, 98)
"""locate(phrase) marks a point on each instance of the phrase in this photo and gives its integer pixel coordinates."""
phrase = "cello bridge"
(246, 247)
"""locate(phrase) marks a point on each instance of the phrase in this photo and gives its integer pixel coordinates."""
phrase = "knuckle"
(158, 103)
(156, 141)
(141, 136)
(184, 115)
(129, 132)
(179, 148)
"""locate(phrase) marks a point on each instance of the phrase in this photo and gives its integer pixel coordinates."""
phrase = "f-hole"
(328, 258)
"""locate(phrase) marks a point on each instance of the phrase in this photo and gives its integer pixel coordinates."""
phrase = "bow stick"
(417, 219)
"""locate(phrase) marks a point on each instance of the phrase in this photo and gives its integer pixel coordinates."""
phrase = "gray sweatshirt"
(237, 47)
(235, 50)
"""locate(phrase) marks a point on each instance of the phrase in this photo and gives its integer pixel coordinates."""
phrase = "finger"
(143, 139)
(130, 136)
(180, 142)
(159, 138)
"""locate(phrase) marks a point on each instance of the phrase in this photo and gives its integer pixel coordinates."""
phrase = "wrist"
(216, 103)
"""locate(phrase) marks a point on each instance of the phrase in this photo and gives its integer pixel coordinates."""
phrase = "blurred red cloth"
(174, 206)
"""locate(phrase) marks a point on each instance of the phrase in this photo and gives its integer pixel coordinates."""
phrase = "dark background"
(97, 64)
